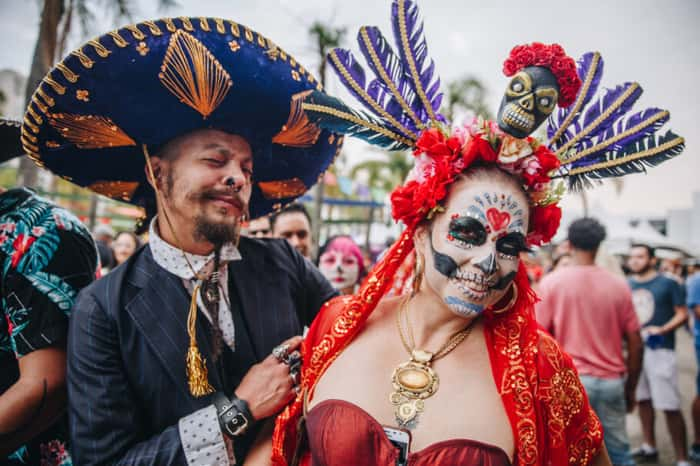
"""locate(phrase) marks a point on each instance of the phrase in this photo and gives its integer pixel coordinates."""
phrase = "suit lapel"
(159, 311)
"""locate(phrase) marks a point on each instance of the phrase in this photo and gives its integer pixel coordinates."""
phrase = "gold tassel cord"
(197, 376)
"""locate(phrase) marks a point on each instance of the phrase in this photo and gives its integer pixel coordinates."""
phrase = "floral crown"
(552, 57)
(441, 157)
(590, 137)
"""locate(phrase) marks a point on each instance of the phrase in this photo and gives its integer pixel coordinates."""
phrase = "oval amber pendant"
(413, 379)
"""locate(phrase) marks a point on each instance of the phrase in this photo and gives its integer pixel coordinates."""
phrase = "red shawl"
(552, 422)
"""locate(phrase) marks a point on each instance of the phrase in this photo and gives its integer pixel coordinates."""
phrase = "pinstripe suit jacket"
(126, 352)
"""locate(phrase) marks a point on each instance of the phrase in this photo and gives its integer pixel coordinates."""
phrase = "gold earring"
(417, 274)
(512, 301)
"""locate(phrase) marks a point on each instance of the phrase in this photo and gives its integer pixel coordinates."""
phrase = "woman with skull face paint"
(340, 261)
(458, 372)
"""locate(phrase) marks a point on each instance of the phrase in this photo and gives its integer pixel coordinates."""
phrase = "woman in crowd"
(340, 260)
(124, 245)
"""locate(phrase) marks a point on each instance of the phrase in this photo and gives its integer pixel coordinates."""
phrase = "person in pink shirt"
(589, 311)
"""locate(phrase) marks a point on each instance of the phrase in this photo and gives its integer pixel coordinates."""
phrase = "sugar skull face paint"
(340, 263)
(472, 249)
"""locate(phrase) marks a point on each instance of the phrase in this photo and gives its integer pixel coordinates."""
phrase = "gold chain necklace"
(414, 381)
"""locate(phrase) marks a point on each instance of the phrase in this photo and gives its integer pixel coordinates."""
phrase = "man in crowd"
(181, 353)
(293, 223)
(693, 301)
(46, 256)
(260, 228)
(661, 310)
(590, 312)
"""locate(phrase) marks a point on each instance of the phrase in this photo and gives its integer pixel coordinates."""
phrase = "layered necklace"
(415, 380)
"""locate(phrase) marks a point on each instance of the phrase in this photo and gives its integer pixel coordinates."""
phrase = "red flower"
(433, 143)
(478, 148)
(21, 245)
(549, 56)
(544, 223)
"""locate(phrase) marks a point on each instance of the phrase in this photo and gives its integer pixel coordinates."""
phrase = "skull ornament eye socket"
(521, 84)
(529, 99)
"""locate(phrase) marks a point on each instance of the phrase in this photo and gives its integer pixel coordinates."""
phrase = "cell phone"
(401, 438)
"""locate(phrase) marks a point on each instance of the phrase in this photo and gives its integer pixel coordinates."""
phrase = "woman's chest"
(464, 402)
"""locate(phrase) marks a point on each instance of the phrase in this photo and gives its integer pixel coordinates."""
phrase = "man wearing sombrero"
(177, 354)
(46, 257)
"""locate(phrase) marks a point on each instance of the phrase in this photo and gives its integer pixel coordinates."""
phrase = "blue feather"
(332, 114)
(413, 49)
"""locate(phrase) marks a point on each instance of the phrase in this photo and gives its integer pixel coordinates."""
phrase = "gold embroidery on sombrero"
(49, 101)
(54, 85)
(115, 189)
(298, 131)
(86, 61)
(100, 49)
(90, 131)
(192, 73)
(282, 188)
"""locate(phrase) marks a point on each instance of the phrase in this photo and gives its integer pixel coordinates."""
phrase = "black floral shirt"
(46, 257)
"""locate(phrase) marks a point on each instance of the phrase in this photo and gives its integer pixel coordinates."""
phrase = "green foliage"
(467, 94)
(385, 173)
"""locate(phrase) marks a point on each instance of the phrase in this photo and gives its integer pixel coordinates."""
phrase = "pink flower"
(8, 227)
(513, 149)
(38, 231)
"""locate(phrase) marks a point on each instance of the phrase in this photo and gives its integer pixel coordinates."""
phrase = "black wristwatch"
(234, 415)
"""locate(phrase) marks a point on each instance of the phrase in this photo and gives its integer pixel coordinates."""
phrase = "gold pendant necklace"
(415, 380)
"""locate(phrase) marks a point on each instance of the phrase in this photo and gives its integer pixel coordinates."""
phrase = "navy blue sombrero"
(150, 82)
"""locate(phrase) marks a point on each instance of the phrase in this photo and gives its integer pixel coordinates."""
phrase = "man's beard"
(216, 233)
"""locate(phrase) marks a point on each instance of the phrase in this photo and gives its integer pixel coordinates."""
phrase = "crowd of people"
(224, 340)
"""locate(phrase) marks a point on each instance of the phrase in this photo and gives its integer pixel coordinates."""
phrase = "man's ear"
(157, 165)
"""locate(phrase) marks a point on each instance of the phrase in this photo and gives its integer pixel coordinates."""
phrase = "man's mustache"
(233, 197)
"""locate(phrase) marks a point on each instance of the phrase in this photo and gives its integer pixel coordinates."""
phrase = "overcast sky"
(654, 43)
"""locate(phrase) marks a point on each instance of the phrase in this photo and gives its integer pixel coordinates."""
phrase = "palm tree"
(57, 20)
(386, 173)
(326, 38)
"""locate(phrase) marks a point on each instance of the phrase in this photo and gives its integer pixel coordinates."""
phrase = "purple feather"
(649, 121)
(616, 102)
(414, 49)
(590, 70)
(387, 66)
(388, 60)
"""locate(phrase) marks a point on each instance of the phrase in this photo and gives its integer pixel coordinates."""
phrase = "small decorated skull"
(530, 97)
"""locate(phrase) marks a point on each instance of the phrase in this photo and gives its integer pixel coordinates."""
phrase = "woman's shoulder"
(339, 310)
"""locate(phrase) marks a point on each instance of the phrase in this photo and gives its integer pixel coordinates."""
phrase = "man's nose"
(235, 178)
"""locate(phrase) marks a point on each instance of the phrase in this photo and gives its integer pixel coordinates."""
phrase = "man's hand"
(267, 386)
(653, 330)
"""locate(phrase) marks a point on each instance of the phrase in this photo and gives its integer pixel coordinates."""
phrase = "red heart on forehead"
(497, 218)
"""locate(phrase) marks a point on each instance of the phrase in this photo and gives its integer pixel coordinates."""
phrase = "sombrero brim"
(10, 145)
(151, 82)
